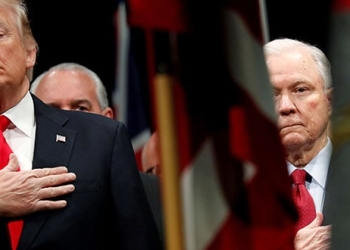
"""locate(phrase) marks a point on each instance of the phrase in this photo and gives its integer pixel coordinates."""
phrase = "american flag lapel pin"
(60, 138)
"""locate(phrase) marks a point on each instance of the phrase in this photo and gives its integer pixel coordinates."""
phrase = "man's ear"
(329, 93)
(108, 112)
(31, 57)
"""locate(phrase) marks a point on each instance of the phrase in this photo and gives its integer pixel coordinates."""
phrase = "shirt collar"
(318, 166)
(22, 115)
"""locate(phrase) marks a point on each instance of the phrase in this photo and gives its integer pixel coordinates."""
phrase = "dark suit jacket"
(109, 207)
(328, 203)
(152, 188)
(337, 200)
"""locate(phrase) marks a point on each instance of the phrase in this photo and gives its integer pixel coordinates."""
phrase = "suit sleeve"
(135, 223)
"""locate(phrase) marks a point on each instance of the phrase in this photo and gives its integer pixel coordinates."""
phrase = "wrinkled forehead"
(291, 62)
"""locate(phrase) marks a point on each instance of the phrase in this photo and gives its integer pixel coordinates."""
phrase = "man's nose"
(285, 105)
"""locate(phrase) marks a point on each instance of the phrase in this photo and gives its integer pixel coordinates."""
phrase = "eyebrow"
(73, 103)
(4, 25)
(81, 101)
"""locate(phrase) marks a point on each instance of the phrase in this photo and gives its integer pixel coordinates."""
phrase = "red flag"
(167, 15)
(339, 6)
(235, 189)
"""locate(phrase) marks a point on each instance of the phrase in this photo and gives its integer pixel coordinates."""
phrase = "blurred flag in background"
(225, 183)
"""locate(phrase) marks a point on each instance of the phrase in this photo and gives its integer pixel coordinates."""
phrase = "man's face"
(150, 157)
(70, 90)
(15, 58)
(302, 105)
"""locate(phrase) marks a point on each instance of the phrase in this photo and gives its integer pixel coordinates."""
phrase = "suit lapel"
(328, 204)
(4, 237)
(53, 147)
(53, 144)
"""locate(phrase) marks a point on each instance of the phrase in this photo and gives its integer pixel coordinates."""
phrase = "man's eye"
(81, 108)
(300, 90)
(150, 170)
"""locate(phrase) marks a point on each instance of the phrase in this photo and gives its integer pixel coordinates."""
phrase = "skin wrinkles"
(15, 59)
(302, 105)
(32, 189)
(301, 79)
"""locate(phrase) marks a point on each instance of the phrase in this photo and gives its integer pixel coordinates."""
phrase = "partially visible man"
(108, 208)
(72, 86)
(150, 155)
(301, 79)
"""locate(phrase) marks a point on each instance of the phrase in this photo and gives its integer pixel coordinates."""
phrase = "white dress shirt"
(20, 135)
(318, 169)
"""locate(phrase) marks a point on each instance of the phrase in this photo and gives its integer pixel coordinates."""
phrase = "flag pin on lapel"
(60, 138)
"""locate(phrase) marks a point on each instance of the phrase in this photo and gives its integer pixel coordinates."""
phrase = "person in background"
(72, 86)
(150, 155)
(108, 208)
(300, 75)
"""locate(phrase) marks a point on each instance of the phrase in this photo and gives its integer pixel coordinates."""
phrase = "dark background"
(305, 20)
(82, 31)
(75, 31)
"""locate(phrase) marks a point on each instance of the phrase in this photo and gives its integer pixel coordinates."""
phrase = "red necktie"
(303, 200)
(15, 227)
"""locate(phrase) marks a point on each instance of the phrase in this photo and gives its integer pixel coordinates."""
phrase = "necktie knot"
(299, 176)
(4, 122)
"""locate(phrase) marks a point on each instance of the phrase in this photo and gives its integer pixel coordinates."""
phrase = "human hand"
(28, 191)
(314, 236)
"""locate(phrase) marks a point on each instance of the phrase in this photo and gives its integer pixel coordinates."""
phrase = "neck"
(8, 100)
(301, 157)
(11, 95)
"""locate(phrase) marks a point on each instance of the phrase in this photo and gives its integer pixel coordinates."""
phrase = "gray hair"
(323, 65)
(70, 66)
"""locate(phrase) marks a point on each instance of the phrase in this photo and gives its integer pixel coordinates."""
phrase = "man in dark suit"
(72, 86)
(108, 208)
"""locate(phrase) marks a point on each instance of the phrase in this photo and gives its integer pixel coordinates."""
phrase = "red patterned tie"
(303, 200)
(15, 227)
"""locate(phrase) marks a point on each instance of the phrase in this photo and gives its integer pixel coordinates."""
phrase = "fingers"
(52, 192)
(13, 166)
(48, 205)
(317, 221)
(311, 238)
(55, 180)
(49, 171)
(51, 183)
(34, 190)
(48, 177)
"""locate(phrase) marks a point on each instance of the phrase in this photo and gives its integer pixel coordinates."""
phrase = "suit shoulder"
(92, 119)
(75, 119)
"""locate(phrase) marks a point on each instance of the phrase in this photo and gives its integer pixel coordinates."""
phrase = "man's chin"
(293, 141)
